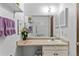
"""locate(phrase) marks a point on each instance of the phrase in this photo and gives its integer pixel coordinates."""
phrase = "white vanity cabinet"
(55, 50)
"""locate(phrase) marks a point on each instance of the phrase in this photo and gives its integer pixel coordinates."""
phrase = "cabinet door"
(55, 50)
(48, 53)
(55, 53)
(61, 53)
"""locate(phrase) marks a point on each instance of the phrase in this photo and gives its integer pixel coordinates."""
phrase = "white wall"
(8, 44)
(39, 8)
(70, 31)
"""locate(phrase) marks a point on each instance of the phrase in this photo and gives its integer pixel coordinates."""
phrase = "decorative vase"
(25, 37)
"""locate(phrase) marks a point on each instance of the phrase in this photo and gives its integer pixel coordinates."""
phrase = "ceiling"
(11, 7)
(37, 8)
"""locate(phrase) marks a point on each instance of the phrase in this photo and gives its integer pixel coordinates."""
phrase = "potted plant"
(24, 33)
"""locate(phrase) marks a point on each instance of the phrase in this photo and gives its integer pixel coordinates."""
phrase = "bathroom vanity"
(50, 47)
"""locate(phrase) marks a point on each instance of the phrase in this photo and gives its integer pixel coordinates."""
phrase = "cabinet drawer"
(48, 53)
(55, 53)
(55, 48)
(62, 53)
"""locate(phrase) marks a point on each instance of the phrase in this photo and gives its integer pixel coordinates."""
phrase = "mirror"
(47, 26)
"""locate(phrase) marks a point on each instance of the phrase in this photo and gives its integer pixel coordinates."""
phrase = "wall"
(70, 31)
(8, 44)
(39, 8)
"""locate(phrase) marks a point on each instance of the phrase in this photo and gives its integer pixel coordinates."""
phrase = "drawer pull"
(55, 54)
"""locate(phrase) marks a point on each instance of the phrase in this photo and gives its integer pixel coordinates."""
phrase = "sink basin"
(54, 40)
(49, 40)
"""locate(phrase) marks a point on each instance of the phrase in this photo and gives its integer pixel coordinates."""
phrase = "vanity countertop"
(40, 41)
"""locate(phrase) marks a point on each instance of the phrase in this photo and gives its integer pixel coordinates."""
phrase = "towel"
(1, 27)
(7, 26)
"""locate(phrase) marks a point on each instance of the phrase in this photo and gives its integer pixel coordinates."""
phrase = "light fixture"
(53, 9)
(49, 9)
(45, 9)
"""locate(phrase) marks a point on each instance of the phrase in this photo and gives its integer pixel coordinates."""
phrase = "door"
(51, 30)
(78, 29)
